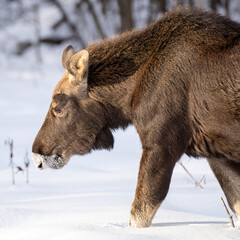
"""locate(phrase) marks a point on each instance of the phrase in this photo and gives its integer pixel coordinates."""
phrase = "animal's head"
(75, 123)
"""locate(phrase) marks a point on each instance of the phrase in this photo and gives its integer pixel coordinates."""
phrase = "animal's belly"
(214, 145)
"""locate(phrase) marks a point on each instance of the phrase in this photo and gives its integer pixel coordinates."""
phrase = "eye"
(58, 111)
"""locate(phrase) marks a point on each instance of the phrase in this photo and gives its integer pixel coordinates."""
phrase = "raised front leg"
(228, 175)
(154, 177)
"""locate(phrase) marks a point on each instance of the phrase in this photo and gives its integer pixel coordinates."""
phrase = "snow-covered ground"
(90, 198)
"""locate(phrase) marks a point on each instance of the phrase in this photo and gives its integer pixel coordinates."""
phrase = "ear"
(66, 55)
(104, 139)
(77, 66)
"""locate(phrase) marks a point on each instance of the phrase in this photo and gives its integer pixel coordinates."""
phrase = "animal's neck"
(113, 69)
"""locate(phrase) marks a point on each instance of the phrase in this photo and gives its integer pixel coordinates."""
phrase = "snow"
(90, 198)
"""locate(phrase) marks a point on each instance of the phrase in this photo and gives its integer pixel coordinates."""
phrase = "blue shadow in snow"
(170, 224)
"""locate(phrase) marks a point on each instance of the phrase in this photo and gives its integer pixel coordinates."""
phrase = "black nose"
(40, 166)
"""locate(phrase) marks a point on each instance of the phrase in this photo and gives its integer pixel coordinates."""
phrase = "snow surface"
(91, 197)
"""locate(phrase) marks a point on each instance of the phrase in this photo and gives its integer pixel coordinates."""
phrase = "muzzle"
(43, 162)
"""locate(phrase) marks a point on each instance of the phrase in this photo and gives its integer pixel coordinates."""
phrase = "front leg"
(154, 177)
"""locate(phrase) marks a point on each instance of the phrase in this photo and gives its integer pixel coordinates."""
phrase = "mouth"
(42, 162)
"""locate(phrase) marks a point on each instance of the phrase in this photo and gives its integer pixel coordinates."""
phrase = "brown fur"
(177, 82)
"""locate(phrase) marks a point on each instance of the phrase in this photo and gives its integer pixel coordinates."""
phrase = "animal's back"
(206, 30)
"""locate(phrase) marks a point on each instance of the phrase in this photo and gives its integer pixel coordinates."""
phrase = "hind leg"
(228, 175)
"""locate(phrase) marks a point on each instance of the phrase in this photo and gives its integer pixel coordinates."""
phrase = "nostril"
(57, 157)
(40, 165)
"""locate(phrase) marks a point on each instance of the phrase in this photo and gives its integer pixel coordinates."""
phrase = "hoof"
(139, 222)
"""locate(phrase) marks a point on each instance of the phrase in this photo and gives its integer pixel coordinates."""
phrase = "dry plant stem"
(196, 182)
(12, 166)
(27, 163)
(230, 217)
(27, 171)
(9, 142)
(203, 177)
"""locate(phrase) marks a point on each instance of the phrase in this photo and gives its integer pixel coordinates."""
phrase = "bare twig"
(27, 163)
(9, 142)
(230, 217)
(203, 178)
(95, 18)
(37, 31)
(196, 182)
(19, 169)
(23, 46)
(67, 20)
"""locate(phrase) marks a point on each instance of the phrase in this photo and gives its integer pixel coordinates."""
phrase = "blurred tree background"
(26, 24)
